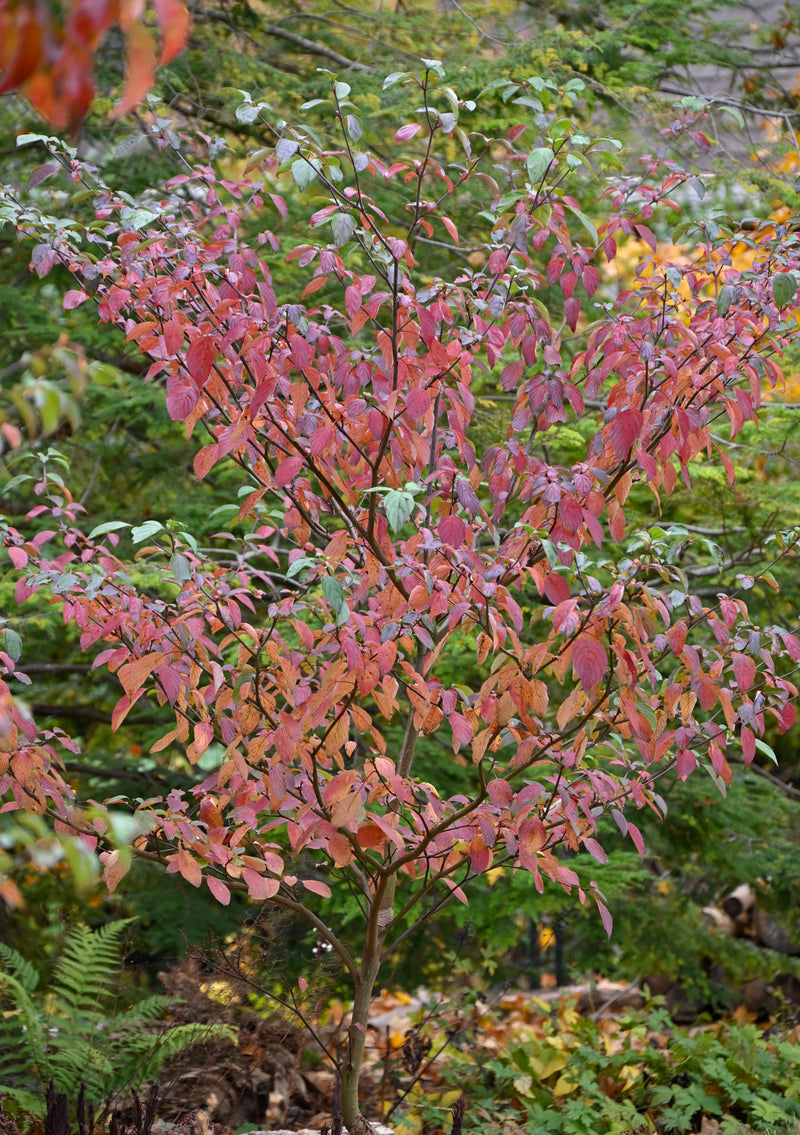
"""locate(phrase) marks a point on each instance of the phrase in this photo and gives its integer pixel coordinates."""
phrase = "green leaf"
(395, 77)
(766, 749)
(399, 506)
(727, 294)
(735, 114)
(586, 222)
(181, 568)
(341, 90)
(333, 592)
(109, 526)
(12, 643)
(299, 565)
(304, 170)
(142, 531)
(246, 113)
(343, 226)
(784, 288)
(538, 162)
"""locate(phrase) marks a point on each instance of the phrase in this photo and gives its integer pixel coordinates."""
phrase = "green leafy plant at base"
(579, 1076)
(72, 1033)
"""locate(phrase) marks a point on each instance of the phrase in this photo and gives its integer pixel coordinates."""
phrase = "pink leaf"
(590, 661)
(18, 557)
(406, 132)
(605, 915)
(744, 670)
(74, 298)
(316, 888)
(685, 763)
(595, 850)
(218, 890)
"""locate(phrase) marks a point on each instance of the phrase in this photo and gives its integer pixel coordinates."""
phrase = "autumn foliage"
(47, 51)
(318, 650)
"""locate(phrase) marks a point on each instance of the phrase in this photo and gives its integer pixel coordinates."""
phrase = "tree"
(377, 539)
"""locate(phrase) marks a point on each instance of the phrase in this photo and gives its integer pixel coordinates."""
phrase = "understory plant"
(315, 651)
(579, 1075)
(75, 1032)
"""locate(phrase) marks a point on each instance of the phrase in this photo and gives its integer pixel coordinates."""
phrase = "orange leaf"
(133, 674)
(140, 59)
(174, 22)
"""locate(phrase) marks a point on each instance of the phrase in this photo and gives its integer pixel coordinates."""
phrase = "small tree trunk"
(379, 918)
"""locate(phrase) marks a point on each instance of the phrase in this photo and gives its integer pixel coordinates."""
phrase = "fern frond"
(149, 1009)
(89, 962)
(27, 1101)
(22, 1031)
(145, 1055)
(20, 968)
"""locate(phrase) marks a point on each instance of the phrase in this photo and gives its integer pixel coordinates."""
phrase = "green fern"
(71, 1033)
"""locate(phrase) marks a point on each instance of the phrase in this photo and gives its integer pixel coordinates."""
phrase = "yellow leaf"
(564, 1086)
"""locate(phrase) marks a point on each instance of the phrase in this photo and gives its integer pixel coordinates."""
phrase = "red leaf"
(566, 617)
(452, 531)
(189, 868)
(418, 403)
(205, 459)
(605, 916)
(451, 228)
(748, 744)
(685, 763)
(200, 358)
(18, 557)
(181, 397)
(287, 471)
(625, 431)
(140, 65)
(647, 236)
(744, 671)
(590, 661)
(123, 708)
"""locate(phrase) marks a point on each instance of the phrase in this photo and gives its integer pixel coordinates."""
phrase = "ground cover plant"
(304, 661)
